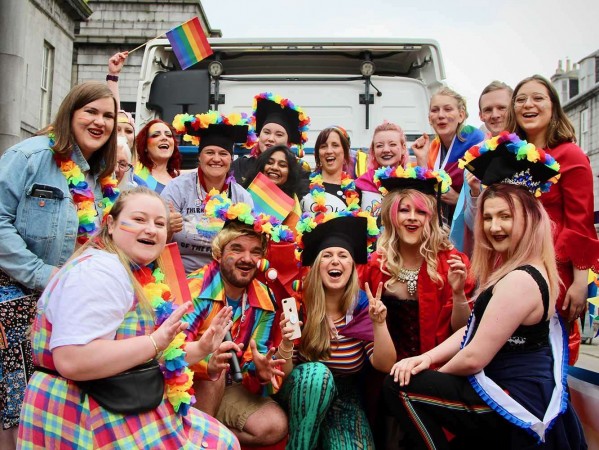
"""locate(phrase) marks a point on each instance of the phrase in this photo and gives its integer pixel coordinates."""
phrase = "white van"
(354, 83)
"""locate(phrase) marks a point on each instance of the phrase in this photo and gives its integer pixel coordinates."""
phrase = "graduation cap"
(355, 231)
(213, 128)
(271, 108)
(508, 159)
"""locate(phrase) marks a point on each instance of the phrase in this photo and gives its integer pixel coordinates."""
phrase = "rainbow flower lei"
(309, 222)
(83, 196)
(177, 375)
(221, 207)
(348, 188)
(520, 150)
(304, 120)
(416, 173)
(184, 123)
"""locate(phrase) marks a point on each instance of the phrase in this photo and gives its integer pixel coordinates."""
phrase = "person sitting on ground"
(230, 281)
(344, 330)
(425, 285)
(501, 383)
(102, 324)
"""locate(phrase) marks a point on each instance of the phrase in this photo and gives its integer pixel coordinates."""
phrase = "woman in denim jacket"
(54, 190)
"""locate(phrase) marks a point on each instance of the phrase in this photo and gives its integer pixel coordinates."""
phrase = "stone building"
(47, 46)
(119, 25)
(578, 87)
(36, 57)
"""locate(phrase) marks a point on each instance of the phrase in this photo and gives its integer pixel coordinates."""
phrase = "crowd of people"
(430, 305)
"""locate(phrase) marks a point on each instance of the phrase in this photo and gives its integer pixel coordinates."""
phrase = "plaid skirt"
(17, 311)
(55, 416)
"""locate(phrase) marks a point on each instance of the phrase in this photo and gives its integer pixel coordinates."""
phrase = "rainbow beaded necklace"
(318, 193)
(177, 375)
(83, 196)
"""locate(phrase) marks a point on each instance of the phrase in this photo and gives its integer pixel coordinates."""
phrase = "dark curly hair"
(141, 144)
(291, 186)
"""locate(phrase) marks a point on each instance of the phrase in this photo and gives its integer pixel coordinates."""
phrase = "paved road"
(589, 356)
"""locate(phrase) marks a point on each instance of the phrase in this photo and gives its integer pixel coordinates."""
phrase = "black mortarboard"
(500, 164)
(347, 232)
(221, 135)
(285, 114)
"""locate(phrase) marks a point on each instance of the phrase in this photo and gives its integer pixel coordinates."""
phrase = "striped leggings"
(323, 410)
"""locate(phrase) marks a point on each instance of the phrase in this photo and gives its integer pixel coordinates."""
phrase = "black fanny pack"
(135, 391)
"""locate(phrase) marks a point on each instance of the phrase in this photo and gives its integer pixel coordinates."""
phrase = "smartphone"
(42, 193)
(290, 311)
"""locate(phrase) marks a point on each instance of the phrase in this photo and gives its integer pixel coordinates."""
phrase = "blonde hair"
(535, 242)
(232, 231)
(434, 237)
(372, 163)
(461, 101)
(103, 240)
(315, 344)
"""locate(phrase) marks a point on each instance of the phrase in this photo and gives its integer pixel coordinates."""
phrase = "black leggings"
(434, 403)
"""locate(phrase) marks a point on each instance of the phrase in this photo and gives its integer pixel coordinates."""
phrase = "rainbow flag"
(269, 198)
(174, 273)
(189, 43)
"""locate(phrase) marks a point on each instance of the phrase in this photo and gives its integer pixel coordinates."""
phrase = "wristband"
(114, 78)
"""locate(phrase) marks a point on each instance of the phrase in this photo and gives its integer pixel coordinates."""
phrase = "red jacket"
(435, 302)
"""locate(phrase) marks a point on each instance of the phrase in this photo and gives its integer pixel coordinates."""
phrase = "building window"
(46, 84)
(585, 125)
(596, 69)
(573, 87)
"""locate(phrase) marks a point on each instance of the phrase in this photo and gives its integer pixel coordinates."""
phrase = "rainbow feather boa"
(83, 196)
(184, 123)
(348, 187)
(221, 207)
(309, 222)
(177, 375)
(520, 150)
(417, 173)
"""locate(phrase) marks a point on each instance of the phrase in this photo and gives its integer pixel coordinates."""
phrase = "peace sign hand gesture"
(376, 309)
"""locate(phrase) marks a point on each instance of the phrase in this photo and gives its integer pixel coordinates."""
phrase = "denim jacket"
(38, 218)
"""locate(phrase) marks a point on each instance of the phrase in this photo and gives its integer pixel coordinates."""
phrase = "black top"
(525, 337)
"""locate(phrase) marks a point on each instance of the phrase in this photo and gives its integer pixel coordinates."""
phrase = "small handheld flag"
(174, 273)
(189, 43)
(269, 198)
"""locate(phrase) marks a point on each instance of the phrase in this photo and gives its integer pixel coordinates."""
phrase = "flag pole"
(146, 43)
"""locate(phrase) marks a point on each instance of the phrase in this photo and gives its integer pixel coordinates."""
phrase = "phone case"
(290, 311)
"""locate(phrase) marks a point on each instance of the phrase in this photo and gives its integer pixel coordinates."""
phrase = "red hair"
(173, 165)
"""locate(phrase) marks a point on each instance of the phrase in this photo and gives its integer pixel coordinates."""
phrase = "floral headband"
(221, 207)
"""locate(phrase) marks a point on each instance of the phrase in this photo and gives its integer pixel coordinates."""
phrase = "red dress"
(570, 205)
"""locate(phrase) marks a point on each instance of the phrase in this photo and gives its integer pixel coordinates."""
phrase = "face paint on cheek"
(128, 227)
